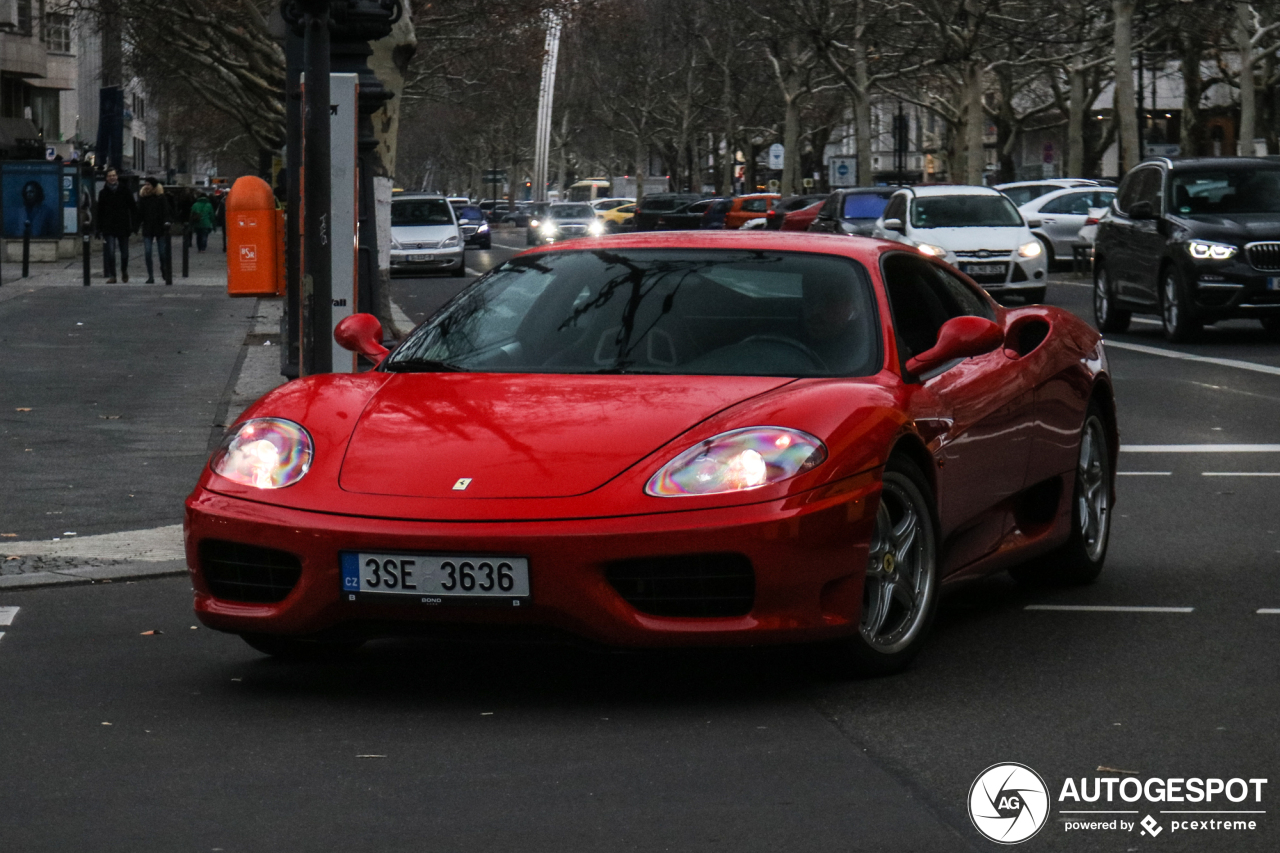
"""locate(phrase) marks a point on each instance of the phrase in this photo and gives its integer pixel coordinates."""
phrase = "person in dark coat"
(116, 219)
(202, 221)
(156, 214)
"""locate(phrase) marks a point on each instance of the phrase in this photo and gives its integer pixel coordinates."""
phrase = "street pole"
(546, 95)
(317, 278)
(293, 54)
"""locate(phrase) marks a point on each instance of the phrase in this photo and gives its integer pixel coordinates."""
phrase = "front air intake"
(694, 585)
(248, 573)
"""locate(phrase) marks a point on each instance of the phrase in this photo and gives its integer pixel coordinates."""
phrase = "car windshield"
(864, 206)
(664, 203)
(698, 312)
(1223, 192)
(1022, 195)
(570, 211)
(421, 211)
(964, 211)
(470, 213)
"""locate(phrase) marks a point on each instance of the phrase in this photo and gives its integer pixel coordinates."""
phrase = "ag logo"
(1008, 803)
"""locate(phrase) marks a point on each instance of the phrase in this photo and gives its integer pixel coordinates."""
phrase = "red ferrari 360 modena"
(667, 439)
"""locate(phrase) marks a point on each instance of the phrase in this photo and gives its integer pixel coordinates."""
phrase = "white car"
(1061, 214)
(425, 236)
(1023, 191)
(975, 229)
(603, 205)
(1088, 233)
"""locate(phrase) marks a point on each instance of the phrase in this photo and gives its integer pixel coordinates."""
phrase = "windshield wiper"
(423, 365)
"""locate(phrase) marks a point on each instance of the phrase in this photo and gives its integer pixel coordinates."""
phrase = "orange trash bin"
(254, 236)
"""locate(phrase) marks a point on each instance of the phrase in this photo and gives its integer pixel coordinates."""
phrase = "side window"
(920, 300)
(1072, 204)
(830, 207)
(897, 208)
(1149, 189)
(1128, 192)
(965, 301)
(755, 205)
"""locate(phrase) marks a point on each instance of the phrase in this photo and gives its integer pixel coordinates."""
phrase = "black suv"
(665, 211)
(1194, 241)
(853, 211)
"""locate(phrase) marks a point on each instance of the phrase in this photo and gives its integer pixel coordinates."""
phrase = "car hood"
(1239, 227)
(584, 220)
(423, 233)
(524, 435)
(971, 239)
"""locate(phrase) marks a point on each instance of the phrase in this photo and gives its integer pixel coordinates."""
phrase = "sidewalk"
(206, 269)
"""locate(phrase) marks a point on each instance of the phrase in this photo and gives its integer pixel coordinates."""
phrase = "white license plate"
(983, 269)
(1273, 282)
(419, 258)
(436, 579)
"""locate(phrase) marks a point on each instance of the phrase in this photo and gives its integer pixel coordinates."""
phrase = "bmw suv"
(1193, 241)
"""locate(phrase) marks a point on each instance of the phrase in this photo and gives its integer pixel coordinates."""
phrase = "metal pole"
(317, 279)
(186, 249)
(84, 240)
(546, 95)
(293, 47)
(26, 248)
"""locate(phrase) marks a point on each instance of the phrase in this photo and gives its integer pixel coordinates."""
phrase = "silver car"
(1061, 214)
(425, 236)
(566, 221)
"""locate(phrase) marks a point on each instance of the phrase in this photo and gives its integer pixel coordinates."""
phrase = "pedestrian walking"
(156, 213)
(116, 219)
(202, 221)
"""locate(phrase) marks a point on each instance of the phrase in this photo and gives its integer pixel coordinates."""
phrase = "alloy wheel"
(1169, 306)
(901, 567)
(1093, 495)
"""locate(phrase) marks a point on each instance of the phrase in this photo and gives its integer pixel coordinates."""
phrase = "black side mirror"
(1142, 210)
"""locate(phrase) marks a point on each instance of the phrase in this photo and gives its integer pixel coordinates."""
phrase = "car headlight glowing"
(266, 453)
(1030, 250)
(548, 227)
(484, 226)
(1203, 250)
(449, 242)
(533, 223)
(933, 251)
(596, 228)
(738, 460)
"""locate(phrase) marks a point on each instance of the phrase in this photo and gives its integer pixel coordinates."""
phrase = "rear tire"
(1105, 313)
(1079, 560)
(291, 648)
(900, 589)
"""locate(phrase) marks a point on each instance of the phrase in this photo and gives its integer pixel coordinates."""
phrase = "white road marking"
(148, 546)
(1073, 283)
(1240, 474)
(1108, 608)
(1269, 611)
(7, 614)
(1146, 321)
(1221, 362)
(1144, 473)
(1200, 448)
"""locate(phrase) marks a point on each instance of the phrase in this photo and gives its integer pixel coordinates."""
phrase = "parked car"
(800, 220)
(678, 486)
(619, 218)
(1193, 241)
(1057, 217)
(975, 228)
(748, 207)
(852, 211)
(1089, 231)
(714, 216)
(495, 211)
(425, 236)
(603, 205)
(566, 221)
(475, 230)
(1022, 192)
(776, 214)
(460, 201)
(653, 212)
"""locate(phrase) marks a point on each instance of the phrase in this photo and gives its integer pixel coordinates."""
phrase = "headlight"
(449, 242)
(1202, 250)
(533, 223)
(596, 228)
(267, 453)
(1030, 250)
(733, 461)
(484, 226)
(935, 251)
(548, 228)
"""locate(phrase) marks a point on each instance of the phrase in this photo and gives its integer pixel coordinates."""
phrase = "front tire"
(1105, 313)
(1176, 310)
(900, 589)
(1079, 561)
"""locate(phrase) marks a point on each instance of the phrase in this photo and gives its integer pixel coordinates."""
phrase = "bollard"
(166, 266)
(87, 245)
(186, 251)
(26, 248)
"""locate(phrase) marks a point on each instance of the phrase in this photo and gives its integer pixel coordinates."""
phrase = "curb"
(95, 574)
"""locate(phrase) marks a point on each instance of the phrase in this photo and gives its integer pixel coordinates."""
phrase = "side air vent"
(248, 573)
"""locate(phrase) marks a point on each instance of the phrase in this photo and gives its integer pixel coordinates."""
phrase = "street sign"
(495, 176)
(773, 186)
(777, 154)
(843, 171)
(807, 183)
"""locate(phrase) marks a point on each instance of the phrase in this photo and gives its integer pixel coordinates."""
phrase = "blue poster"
(31, 192)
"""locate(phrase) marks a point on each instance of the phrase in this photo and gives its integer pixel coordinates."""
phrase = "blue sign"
(843, 170)
(30, 192)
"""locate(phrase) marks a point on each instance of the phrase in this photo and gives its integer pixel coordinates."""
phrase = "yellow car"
(619, 219)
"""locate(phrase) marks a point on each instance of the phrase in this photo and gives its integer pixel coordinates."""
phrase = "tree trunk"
(1125, 107)
(975, 124)
(791, 146)
(641, 156)
(1191, 132)
(862, 112)
(1075, 123)
(1248, 121)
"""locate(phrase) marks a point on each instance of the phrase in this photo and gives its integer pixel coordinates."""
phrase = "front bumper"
(426, 260)
(1233, 288)
(808, 557)
(1017, 275)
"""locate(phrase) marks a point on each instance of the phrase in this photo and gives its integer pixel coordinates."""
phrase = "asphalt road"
(427, 745)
